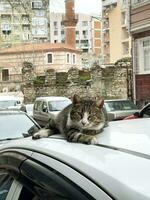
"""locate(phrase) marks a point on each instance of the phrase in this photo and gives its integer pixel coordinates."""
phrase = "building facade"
(116, 42)
(23, 22)
(88, 31)
(140, 31)
(57, 57)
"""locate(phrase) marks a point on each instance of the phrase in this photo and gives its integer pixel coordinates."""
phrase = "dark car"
(16, 124)
(143, 113)
(118, 109)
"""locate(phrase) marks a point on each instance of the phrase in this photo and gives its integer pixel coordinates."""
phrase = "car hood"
(120, 113)
(127, 135)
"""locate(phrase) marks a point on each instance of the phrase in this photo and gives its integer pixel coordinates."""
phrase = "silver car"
(118, 109)
(52, 168)
(45, 107)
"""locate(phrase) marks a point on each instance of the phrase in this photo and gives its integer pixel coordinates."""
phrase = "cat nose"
(83, 123)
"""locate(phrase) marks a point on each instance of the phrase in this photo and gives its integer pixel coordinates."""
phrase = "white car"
(10, 102)
(118, 167)
(45, 107)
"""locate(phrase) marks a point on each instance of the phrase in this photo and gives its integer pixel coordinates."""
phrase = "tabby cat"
(79, 122)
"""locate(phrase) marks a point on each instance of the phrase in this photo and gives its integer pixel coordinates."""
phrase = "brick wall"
(108, 83)
(143, 88)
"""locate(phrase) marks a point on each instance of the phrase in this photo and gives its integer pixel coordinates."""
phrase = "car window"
(5, 184)
(44, 107)
(7, 103)
(146, 112)
(49, 184)
(38, 106)
(27, 194)
(120, 105)
(19, 124)
(58, 105)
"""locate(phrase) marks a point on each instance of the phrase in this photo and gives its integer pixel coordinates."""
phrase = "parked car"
(15, 124)
(45, 107)
(143, 113)
(118, 109)
(10, 102)
(52, 168)
(28, 108)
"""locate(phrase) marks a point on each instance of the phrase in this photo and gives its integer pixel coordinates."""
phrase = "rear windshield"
(58, 105)
(120, 105)
(8, 103)
(15, 125)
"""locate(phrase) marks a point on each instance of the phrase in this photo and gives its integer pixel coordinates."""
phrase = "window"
(39, 13)
(55, 23)
(37, 5)
(62, 32)
(142, 55)
(84, 23)
(68, 58)
(5, 75)
(5, 184)
(49, 58)
(38, 106)
(55, 32)
(74, 59)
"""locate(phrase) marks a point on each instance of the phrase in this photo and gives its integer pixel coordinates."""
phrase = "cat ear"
(76, 99)
(100, 103)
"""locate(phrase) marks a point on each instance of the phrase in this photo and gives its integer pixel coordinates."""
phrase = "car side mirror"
(137, 114)
(45, 109)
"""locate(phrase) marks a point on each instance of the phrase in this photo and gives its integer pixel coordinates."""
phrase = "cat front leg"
(78, 137)
(43, 133)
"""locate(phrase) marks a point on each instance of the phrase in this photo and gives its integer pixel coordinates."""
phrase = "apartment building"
(116, 42)
(88, 31)
(140, 31)
(23, 22)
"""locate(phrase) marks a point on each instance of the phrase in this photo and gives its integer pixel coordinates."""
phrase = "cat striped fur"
(79, 122)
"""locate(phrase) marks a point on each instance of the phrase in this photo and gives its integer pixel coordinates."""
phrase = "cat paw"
(90, 140)
(93, 141)
(43, 133)
(36, 136)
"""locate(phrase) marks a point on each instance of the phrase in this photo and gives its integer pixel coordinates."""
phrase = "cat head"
(87, 113)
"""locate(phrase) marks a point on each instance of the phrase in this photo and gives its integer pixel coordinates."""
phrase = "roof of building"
(39, 47)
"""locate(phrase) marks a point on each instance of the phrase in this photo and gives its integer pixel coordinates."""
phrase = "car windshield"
(58, 105)
(120, 105)
(7, 103)
(15, 125)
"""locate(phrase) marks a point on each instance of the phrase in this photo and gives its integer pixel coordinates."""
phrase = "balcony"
(139, 3)
(106, 3)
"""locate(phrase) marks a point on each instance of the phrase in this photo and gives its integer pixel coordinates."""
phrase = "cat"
(79, 122)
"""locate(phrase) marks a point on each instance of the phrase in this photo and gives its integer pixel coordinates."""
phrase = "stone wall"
(110, 82)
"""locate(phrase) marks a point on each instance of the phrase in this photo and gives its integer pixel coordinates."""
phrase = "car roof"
(2, 98)
(129, 135)
(52, 98)
(115, 162)
(116, 100)
(11, 111)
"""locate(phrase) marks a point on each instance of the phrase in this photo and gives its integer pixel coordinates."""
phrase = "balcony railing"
(108, 2)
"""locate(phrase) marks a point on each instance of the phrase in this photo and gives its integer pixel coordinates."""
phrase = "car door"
(44, 178)
(44, 113)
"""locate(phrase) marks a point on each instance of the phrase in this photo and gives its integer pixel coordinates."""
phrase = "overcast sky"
(81, 6)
